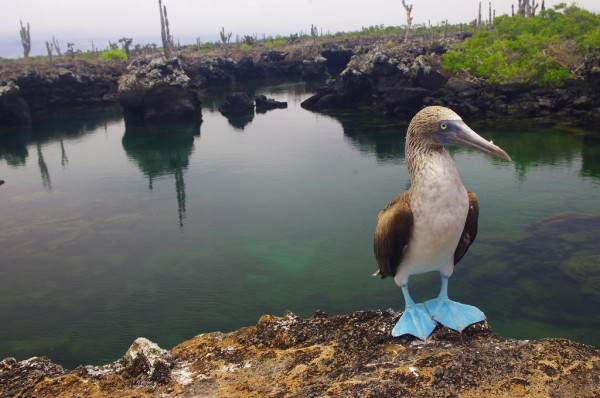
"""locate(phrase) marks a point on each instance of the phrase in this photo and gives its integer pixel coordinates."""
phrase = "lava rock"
(264, 104)
(351, 355)
(273, 56)
(146, 359)
(158, 90)
(14, 110)
(236, 104)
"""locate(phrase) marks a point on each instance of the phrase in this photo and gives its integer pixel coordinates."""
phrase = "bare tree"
(126, 43)
(409, 19)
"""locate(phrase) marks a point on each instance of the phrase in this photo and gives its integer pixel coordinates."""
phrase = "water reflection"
(239, 122)
(529, 145)
(58, 126)
(43, 168)
(13, 148)
(590, 153)
(160, 151)
(533, 146)
(381, 136)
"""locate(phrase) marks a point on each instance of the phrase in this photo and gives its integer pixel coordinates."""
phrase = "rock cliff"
(331, 356)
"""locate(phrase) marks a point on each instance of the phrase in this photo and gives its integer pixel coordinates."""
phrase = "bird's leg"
(415, 319)
(451, 314)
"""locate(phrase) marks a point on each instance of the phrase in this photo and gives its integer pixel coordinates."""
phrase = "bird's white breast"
(439, 204)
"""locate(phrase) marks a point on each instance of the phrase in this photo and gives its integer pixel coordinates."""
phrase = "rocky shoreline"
(390, 77)
(350, 355)
(401, 80)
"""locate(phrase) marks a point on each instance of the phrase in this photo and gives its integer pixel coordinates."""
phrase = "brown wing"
(394, 225)
(470, 230)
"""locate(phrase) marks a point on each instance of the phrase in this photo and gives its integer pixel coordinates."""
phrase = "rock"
(146, 359)
(264, 104)
(237, 103)
(51, 86)
(314, 70)
(157, 90)
(427, 71)
(19, 378)
(350, 355)
(401, 79)
(273, 56)
(14, 111)
(336, 59)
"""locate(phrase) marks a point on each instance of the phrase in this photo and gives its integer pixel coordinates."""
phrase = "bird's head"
(437, 126)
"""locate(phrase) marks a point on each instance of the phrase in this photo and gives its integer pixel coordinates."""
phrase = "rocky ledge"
(333, 356)
(400, 80)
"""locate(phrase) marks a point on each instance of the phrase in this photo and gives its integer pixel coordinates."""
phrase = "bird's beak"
(457, 133)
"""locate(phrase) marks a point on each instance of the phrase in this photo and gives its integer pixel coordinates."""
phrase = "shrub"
(547, 49)
(113, 55)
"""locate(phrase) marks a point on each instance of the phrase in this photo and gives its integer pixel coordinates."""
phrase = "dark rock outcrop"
(337, 59)
(264, 104)
(340, 356)
(49, 86)
(403, 79)
(273, 56)
(236, 104)
(14, 111)
(392, 85)
(157, 90)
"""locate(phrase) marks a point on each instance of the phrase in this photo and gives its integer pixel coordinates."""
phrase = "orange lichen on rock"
(339, 356)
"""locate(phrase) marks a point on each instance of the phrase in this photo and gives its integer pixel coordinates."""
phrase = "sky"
(85, 21)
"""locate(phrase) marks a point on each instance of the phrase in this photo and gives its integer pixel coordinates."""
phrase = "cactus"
(165, 32)
(525, 9)
(49, 47)
(56, 46)
(225, 39)
(25, 40)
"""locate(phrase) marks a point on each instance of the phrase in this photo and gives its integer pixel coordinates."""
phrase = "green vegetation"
(113, 55)
(548, 49)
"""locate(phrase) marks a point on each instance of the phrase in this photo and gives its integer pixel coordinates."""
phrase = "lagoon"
(107, 235)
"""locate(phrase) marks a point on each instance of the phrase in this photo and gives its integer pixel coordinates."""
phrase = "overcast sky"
(84, 21)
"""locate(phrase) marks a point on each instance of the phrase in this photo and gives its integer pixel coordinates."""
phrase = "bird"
(431, 225)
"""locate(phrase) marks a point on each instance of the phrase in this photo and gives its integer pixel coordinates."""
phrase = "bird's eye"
(443, 126)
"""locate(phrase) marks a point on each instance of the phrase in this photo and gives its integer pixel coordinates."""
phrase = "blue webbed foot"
(450, 313)
(453, 315)
(415, 321)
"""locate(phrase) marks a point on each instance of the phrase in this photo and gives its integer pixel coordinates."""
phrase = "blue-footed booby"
(430, 226)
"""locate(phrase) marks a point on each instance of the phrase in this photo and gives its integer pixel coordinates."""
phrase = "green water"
(107, 235)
